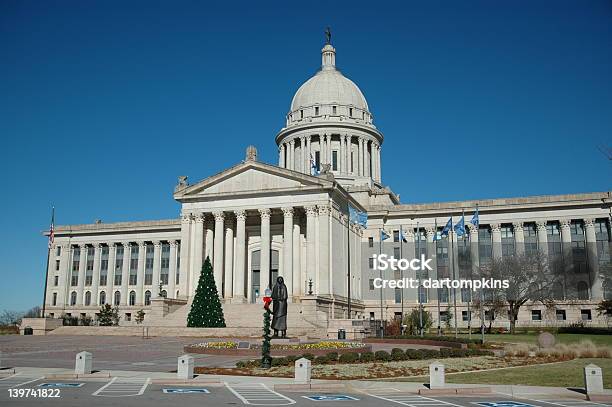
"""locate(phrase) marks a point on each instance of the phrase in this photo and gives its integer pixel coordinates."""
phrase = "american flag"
(52, 228)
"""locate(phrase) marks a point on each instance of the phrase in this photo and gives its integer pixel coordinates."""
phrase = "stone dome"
(329, 94)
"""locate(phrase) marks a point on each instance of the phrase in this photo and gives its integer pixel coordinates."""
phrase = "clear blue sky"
(104, 103)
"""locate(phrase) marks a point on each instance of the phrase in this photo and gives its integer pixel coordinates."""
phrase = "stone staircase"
(301, 319)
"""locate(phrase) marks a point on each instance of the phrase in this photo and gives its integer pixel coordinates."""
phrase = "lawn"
(563, 374)
(561, 338)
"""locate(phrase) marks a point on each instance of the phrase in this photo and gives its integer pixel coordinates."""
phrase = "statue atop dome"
(328, 35)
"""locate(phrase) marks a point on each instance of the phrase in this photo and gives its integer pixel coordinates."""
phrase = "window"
(334, 110)
(422, 295)
(585, 314)
(316, 110)
(553, 234)
(165, 263)
(398, 295)
(507, 240)
(104, 265)
(132, 298)
(73, 298)
(128, 316)
(352, 161)
(396, 252)
(485, 249)
(147, 297)
(134, 265)
(76, 258)
(372, 315)
(117, 298)
(57, 265)
(371, 263)
(444, 316)
(54, 301)
(58, 251)
(350, 111)
(164, 294)
(335, 160)
(88, 298)
(318, 160)
(396, 236)
(582, 289)
(397, 316)
(466, 295)
(149, 251)
(443, 294)
(536, 315)
(560, 313)
(102, 298)
(465, 316)
(371, 284)
(120, 250)
(178, 265)
(56, 281)
(301, 114)
(489, 315)
(370, 242)
(89, 266)
(420, 243)
(531, 238)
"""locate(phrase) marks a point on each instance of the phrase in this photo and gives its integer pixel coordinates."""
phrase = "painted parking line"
(330, 397)
(18, 380)
(61, 384)
(407, 399)
(258, 394)
(123, 387)
(570, 402)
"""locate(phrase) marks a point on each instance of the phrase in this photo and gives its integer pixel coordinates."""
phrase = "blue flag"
(313, 166)
(447, 228)
(475, 219)
(460, 227)
(358, 217)
(403, 236)
(384, 235)
(437, 235)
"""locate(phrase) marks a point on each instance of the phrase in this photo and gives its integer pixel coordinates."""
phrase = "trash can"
(341, 333)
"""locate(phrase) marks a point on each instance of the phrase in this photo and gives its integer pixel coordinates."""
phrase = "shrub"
(382, 356)
(445, 352)
(579, 328)
(333, 356)
(366, 357)
(415, 319)
(351, 357)
(458, 353)
(291, 359)
(308, 356)
(393, 329)
(321, 360)
(240, 364)
(398, 354)
(415, 354)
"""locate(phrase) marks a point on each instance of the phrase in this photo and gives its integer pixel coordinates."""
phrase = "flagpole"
(401, 239)
(437, 290)
(382, 331)
(418, 289)
(348, 246)
(482, 316)
(452, 238)
(469, 299)
(44, 303)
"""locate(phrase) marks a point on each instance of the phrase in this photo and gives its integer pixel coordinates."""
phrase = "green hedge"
(584, 330)
(437, 338)
(396, 354)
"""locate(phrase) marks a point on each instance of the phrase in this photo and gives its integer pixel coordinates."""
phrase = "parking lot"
(19, 389)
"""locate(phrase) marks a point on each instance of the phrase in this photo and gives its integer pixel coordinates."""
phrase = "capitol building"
(256, 221)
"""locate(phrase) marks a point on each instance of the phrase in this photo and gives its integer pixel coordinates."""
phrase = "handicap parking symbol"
(331, 397)
(503, 404)
(186, 391)
(62, 385)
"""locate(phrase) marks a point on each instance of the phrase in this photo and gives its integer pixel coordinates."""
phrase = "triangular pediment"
(252, 178)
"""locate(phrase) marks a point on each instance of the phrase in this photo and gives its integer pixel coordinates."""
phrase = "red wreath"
(267, 301)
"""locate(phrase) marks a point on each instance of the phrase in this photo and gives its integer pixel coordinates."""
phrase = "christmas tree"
(206, 311)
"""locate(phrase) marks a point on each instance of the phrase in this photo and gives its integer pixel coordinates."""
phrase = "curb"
(310, 386)
(69, 376)
(599, 397)
(187, 382)
(460, 390)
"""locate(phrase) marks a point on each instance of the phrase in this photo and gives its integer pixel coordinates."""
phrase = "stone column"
(360, 170)
(172, 270)
(328, 149)
(156, 268)
(323, 279)
(519, 237)
(311, 266)
(218, 253)
(239, 272)
(287, 269)
(566, 244)
(64, 276)
(307, 157)
(341, 155)
(197, 253)
(185, 243)
(366, 158)
(142, 250)
(292, 154)
(474, 255)
(280, 156)
(82, 267)
(95, 278)
(593, 260)
(228, 288)
(297, 269)
(542, 237)
(496, 240)
(302, 161)
(210, 238)
(110, 273)
(125, 272)
(379, 163)
(264, 272)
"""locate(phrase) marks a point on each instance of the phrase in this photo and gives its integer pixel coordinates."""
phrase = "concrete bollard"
(436, 375)
(303, 369)
(185, 367)
(593, 379)
(84, 362)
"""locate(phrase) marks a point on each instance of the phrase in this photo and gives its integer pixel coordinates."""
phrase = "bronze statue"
(279, 308)
(328, 35)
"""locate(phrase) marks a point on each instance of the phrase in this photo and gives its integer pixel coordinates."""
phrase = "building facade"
(256, 221)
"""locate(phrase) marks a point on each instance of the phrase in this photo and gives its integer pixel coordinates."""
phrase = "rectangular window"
(165, 263)
(334, 110)
(133, 278)
(316, 110)
(335, 160)
(178, 263)
(54, 302)
(489, 315)
(396, 252)
(370, 242)
(58, 251)
(585, 314)
(536, 315)
(398, 295)
(371, 284)
(370, 263)
(444, 316)
(56, 281)
(350, 112)
(352, 160)
(396, 236)
(57, 265)
(76, 258)
(89, 266)
(560, 313)
(149, 254)
(318, 160)
(301, 114)
(465, 316)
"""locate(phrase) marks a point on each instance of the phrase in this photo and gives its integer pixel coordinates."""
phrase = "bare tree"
(8, 317)
(530, 279)
(33, 312)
